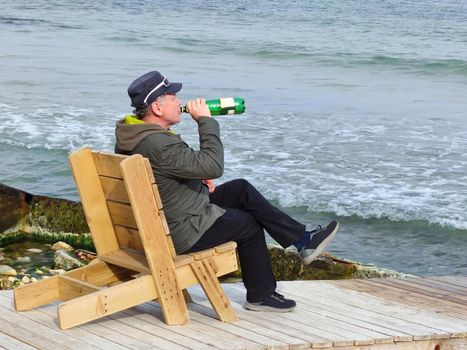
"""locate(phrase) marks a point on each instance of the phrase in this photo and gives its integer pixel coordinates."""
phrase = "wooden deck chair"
(136, 259)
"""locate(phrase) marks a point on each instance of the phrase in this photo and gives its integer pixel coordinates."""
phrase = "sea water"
(356, 110)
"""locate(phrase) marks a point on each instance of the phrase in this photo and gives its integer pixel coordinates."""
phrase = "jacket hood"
(130, 131)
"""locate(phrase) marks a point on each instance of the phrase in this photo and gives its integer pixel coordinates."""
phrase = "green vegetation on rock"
(12, 237)
(57, 215)
(81, 241)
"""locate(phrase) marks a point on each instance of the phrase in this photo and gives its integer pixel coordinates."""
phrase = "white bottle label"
(227, 102)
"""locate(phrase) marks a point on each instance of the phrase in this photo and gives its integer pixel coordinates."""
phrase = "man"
(199, 214)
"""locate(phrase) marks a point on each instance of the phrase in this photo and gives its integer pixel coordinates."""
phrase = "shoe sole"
(261, 308)
(320, 248)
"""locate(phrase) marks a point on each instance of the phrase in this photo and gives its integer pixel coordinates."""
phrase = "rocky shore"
(27, 217)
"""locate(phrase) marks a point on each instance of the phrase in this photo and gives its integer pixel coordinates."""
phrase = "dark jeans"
(247, 214)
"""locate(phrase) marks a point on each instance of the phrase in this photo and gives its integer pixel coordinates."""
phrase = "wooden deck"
(412, 313)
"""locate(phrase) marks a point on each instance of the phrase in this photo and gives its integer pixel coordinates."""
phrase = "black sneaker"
(273, 303)
(319, 240)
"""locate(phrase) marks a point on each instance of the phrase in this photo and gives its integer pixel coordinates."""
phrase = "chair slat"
(149, 170)
(128, 238)
(107, 164)
(114, 189)
(122, 214)
(129, 259)
(203, 254)
(156, 247)
(93, 200)
(155, 191)
(225, 247)
(164, 222)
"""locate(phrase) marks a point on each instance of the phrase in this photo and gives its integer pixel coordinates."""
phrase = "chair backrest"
(106, 202)
(124, 213)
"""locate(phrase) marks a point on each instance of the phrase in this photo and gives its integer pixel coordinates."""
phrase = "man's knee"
(242, 184)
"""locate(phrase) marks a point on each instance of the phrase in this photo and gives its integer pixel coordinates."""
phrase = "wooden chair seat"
(136, 259)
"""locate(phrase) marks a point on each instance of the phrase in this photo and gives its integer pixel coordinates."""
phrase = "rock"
(15, 207)
(2, 257)
(35, 250)
(85, 255)
(56, 215)
(7, 270)
(23, 259)
(65, 261)
(5, 284)
(26, 279)
(62, 246)
(287, 266)
(33, 279)
(56, 271)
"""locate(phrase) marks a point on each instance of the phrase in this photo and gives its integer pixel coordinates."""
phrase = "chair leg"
(204, 271)
(40, 293)
(106, 302)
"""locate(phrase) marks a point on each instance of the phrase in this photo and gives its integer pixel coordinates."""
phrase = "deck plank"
(36, 328)
(302, 318)
(10, 343)
(315, 334)
(265, 327)
(250, 337)
(416, 313)
(454, 280)
(404, 297)
(95, 335)
(155, 326)
(438, 285)
(361, 310)
(412, 286)
(391, 314)
(217, 338)
(417, 320)
(383, 329)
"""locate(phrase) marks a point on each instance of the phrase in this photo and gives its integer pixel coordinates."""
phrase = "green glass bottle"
(223, 106)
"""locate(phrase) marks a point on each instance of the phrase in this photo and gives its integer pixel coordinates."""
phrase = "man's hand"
(210, 184)
(198, 108)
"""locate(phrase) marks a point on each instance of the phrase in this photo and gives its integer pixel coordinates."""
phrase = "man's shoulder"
(161, 139)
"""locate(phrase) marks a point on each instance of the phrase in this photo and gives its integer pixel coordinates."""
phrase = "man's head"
(153, 96)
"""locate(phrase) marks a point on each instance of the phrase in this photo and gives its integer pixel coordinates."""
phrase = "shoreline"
(27, 217)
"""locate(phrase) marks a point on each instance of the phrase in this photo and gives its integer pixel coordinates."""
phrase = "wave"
(373, 203)
(418, 224)
(416, 221)
(332, 174)
(21, 21)
(403, 64)
(47, 129)
(455, 66)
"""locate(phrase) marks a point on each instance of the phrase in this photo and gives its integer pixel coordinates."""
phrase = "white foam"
(53, 127)
(358, 169)
(324, 163)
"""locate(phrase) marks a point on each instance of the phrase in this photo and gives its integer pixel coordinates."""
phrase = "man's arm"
(179, 160)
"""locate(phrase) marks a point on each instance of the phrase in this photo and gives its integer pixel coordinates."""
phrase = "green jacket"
(178, 170)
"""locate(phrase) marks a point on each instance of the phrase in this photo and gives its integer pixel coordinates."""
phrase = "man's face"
(170, 110)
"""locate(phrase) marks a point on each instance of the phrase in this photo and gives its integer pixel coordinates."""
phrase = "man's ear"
(156, 110)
